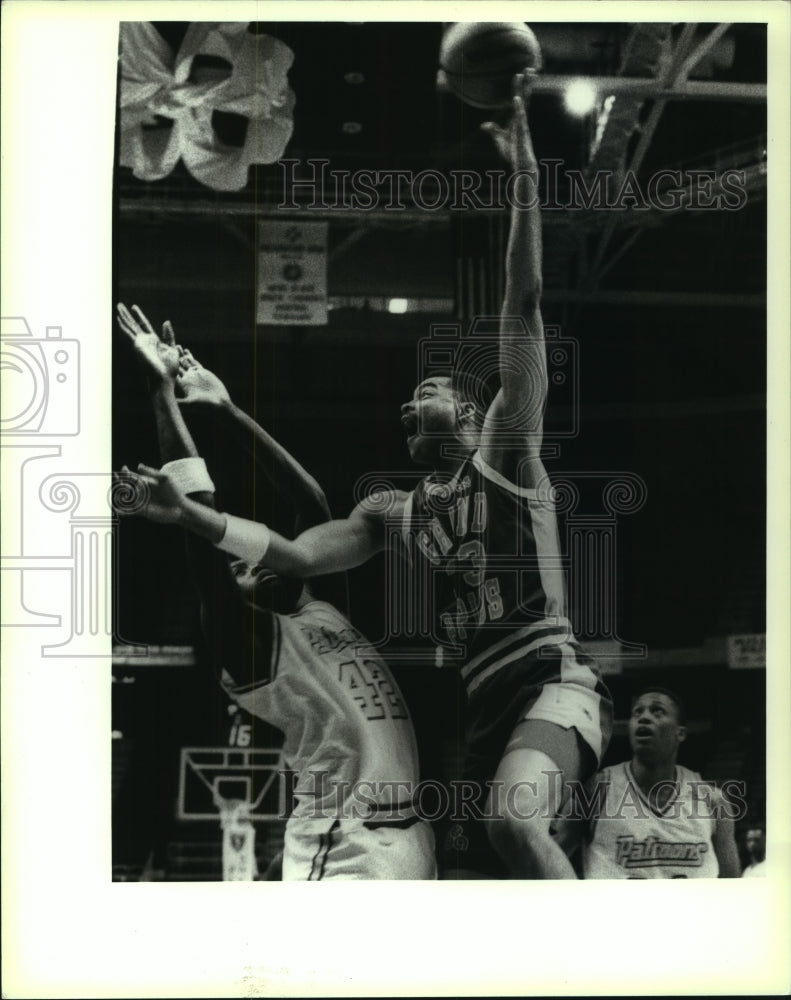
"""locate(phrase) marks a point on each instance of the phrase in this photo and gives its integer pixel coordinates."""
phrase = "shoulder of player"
(716, 798)
(613, 779)
(697, 781)
(704, 790)
(599, 782)
(619, 770)
(598, 778)
(314, 609)
(380, 505)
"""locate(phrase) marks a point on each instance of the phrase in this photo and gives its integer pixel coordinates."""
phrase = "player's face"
(265, 589)
(429, 418)
(654, 729)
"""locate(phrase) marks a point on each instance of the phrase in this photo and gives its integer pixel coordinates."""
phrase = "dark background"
(671, 384)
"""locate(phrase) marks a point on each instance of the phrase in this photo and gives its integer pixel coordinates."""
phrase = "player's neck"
(649, 773)
(449, 458)
(306, 597)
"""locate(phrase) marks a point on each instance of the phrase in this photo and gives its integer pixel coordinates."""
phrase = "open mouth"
(642, 731)
(409, 423)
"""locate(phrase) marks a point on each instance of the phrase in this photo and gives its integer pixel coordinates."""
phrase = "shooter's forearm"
(524, 252)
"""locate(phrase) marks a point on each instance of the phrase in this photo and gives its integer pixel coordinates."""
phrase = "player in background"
(649, 817)
(755, 847)
(482, 526)
(285, 655)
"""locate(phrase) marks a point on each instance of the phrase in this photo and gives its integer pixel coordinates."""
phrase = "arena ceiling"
(686, 97)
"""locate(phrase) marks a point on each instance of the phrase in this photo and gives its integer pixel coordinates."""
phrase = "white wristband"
(246, 540)
(189, 475)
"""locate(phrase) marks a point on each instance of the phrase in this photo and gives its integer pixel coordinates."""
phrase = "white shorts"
(571, 706)
(347, 849)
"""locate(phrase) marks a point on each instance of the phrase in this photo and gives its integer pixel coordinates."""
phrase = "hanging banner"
(292, 273)
(238, 843)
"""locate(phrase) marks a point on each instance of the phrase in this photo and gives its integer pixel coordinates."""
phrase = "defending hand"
(161, 501)
(157, 352)
(196, 384)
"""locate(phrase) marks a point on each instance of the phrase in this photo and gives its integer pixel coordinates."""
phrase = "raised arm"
(330, 547)
(224, 614)
(160, 360)
(514, 424)
(198, 387)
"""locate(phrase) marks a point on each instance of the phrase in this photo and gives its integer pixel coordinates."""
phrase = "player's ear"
(682, 733)
(466, 410)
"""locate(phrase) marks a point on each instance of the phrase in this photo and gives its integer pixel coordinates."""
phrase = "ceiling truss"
(655, 67)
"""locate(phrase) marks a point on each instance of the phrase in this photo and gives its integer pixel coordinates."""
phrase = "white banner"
(292, 273)
(747, 651)
(238, 844)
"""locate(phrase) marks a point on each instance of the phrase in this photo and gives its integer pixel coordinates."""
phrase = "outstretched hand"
(196, 384)
(513, 142)
(161, 501)
(158, 352)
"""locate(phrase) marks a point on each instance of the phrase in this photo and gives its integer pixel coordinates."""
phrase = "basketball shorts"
(353, 849)
(557, 684)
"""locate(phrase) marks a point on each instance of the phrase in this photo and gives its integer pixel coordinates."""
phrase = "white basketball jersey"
(629, 839)
(348, 735)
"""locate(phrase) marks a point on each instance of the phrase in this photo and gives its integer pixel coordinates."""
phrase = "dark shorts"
(557, 686)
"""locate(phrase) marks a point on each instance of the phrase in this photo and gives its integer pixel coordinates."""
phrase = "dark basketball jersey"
(489, 557)
(486, 556)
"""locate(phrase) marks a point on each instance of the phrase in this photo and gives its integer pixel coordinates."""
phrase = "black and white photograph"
(401, 473)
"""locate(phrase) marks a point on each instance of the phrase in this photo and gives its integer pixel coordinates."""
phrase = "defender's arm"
(225, 618)
(198, 385)
(326, 548)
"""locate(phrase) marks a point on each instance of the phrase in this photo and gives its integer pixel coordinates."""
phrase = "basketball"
(478, 60)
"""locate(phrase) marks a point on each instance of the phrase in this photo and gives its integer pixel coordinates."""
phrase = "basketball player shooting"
(282, 653)
(538, 715)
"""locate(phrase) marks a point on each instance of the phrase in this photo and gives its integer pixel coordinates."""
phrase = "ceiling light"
(397, 305)
(580, 97)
